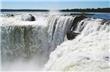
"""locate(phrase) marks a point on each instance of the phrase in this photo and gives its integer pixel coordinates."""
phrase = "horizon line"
(53, 9)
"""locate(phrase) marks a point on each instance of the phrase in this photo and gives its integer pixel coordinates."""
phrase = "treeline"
(107, 10)
(87, 10)
(24, 10)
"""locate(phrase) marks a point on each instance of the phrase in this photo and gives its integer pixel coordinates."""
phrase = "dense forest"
(63, 10)
(87, 10)
(21, 10)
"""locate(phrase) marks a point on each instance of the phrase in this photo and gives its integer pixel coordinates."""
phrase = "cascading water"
(89, 51)
(27, 41)
(26, 45)
(58, 26)
(24, 41)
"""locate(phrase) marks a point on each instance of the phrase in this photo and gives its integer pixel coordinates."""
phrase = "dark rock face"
(11, 15)
(107, 22)
(28, 17)
(76, 20)
(71, 34)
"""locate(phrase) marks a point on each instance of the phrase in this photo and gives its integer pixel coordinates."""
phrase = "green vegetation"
(107, 10)
(23, 10)
(87, 10)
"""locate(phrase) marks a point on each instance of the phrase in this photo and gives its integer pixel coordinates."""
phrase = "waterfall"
(28, 44)
(89, 51)
(58, 26)
(26, 40)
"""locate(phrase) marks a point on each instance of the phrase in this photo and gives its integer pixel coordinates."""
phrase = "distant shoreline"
(23, 10)
(105, 10)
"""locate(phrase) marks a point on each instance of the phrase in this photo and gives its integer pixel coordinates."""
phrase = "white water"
(27, 45)
(58, 26)
(90, 51)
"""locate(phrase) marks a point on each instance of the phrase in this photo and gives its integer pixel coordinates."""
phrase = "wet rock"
(104, 21)
(28, 17)
(71, 34)
(106, 58)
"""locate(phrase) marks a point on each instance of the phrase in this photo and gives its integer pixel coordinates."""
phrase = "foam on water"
(26, 45)
(30, 41)
(87, 52)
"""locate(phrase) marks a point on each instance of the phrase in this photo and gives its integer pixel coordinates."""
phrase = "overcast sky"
(53, 4)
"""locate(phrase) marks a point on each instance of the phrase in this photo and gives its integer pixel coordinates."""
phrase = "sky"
(53, 4)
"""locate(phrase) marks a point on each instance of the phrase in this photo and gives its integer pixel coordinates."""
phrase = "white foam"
(87, 52)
